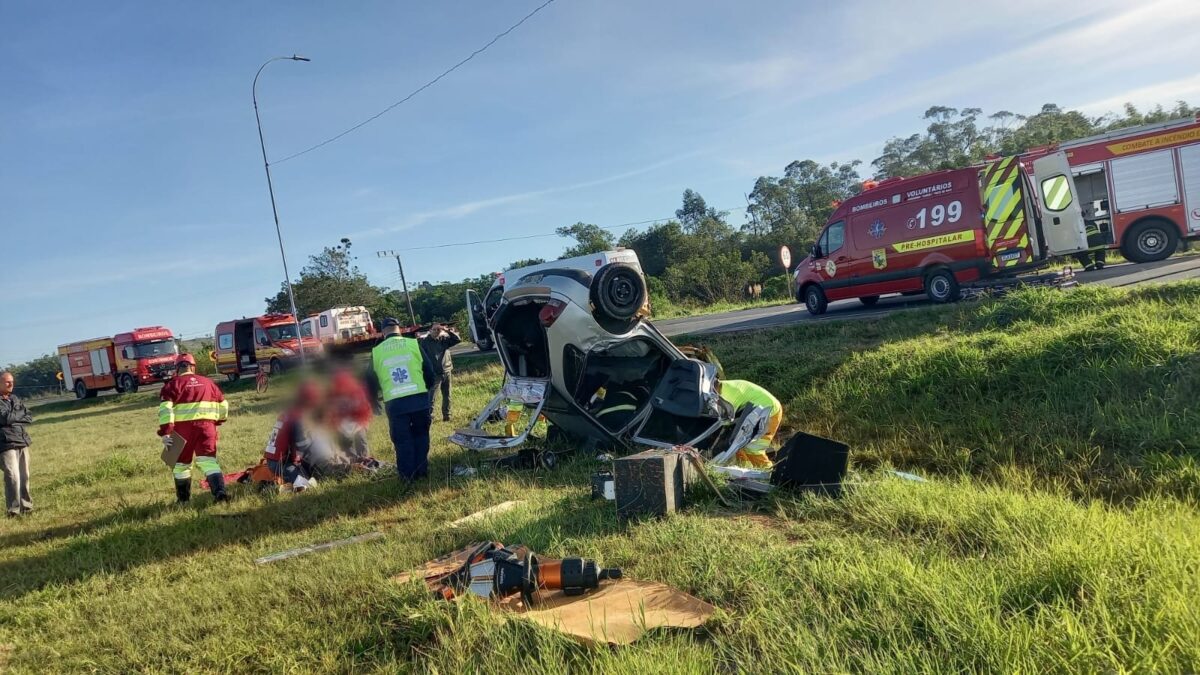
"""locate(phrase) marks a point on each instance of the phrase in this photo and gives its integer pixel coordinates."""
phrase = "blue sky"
(131, 184)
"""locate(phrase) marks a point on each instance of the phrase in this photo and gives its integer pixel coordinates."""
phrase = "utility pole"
(287, 278)
(412, 316)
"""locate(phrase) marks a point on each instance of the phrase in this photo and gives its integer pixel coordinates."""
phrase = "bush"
(203, 356)
(710, 279)
(777, 288)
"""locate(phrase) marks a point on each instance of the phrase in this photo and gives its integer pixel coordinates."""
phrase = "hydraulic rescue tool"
(493, 570)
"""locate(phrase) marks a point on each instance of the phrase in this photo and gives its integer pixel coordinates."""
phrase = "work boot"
(759, 460)
(183, 490)
(216, 484)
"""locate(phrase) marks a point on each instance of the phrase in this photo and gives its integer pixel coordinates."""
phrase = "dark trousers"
(443, 383)
(410, 435)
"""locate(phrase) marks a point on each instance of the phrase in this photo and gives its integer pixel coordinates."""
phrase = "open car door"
(477, 322)
(1062, 218)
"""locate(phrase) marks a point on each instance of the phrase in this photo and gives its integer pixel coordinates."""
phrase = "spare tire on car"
(618, 292)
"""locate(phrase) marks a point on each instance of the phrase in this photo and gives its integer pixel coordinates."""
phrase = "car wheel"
(231, 377)
(276, 367)
(815, 301)
(128, 384)
(869, 300)
(618, 292)
(1150, 240)
(81, 390)
(941, 286)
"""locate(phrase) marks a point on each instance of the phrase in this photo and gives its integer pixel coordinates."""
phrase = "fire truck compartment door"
(477, 318)
(1062, 218)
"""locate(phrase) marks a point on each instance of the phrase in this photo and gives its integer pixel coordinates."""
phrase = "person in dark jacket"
(437, 343)
(402, 376)
(14, 447)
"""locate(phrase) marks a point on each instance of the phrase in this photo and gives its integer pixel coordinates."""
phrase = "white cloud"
(1164, 93)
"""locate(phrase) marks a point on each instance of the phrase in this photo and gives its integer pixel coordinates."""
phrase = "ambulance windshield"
(285, 331)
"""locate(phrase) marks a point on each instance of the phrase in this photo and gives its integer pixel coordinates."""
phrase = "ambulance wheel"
(618, 291)
(869, 300)
(276, 367)
(941, 286)
(815, 301)
(128, 384)
(231, 377)
(1150, 240)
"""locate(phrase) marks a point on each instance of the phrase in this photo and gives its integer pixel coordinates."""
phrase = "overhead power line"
(422, 88)
(547, 234)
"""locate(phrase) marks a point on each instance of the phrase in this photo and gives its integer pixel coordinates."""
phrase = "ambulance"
(941, 232)
(244, 345)
(1139, 187)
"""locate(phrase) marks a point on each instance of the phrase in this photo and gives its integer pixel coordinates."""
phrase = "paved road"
(1124, 274)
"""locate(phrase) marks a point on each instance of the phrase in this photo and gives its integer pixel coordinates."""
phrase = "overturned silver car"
(578, 349)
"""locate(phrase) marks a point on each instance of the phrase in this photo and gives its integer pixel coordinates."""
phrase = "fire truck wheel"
(618, 291)
(941, 286)
(81, 390)
(1150, 240)
(869, 300)
(815, 301)
(128, 384)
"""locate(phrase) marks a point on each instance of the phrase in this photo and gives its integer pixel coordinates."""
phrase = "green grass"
(1057, 532)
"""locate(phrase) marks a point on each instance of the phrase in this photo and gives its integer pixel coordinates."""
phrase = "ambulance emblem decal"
(830, 268)
(879, 258)
(876, 229)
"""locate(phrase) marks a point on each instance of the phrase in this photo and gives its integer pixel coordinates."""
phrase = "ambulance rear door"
(1063, 228)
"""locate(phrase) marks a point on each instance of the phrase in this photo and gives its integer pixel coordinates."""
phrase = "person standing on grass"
(437, 343)
(192, 406)
(14, 448)
(402, 375)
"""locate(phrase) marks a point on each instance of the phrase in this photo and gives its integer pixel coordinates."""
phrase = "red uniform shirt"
(190, 398)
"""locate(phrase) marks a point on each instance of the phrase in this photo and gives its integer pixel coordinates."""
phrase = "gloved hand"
(166, 441)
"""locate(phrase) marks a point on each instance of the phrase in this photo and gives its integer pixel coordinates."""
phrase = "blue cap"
(390, 322)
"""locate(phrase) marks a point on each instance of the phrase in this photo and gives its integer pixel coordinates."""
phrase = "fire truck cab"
(1139, 187)
(242, 345)
(123, 362)
(937, 232)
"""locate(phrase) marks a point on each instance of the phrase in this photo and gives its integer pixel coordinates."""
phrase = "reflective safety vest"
(740, 392)
(191, 398)
(397, 363)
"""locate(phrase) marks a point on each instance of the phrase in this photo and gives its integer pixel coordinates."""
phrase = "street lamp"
(287, 278)
(392, 254)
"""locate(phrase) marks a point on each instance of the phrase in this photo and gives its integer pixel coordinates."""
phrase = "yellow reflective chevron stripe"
(201, 410)
(182, 471)
(1056, 193)
(166, 413)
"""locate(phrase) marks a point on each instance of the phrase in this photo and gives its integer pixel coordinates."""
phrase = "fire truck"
(1139, 188)
(944, 233)
(123, 362)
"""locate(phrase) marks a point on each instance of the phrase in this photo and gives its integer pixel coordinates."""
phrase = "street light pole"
(412, 316)
(287, 278)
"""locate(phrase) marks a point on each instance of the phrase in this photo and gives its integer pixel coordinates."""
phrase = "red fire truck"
(939, 232)
(123, 362)
(1139, 188)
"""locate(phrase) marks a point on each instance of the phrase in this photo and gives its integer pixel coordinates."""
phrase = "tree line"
(699, 257)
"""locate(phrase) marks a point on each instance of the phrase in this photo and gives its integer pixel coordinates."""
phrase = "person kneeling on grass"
(740, 393)
(349, 416)
(299, 449)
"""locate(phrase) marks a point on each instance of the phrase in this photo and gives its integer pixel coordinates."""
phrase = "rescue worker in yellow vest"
(1096, 255)
(192, 406)
(740, 393)
(402, 376)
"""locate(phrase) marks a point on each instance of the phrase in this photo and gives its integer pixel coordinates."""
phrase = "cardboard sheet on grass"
(617, 613)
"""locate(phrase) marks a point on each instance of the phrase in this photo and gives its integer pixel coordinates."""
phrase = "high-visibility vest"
(397, 363)
(740, 392)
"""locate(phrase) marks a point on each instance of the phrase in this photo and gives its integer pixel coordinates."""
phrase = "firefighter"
(402, 376)
(739, 393)
(1094, 257)
(192, 406)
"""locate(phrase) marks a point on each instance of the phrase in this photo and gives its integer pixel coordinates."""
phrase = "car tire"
(128, 384)
(231, 377)
(276, 367)
(815, 301)
(618, 292)
(941, 286)
(1150, 241)
(869, 300)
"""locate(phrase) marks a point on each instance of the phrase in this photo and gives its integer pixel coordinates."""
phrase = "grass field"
(1057, 532)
